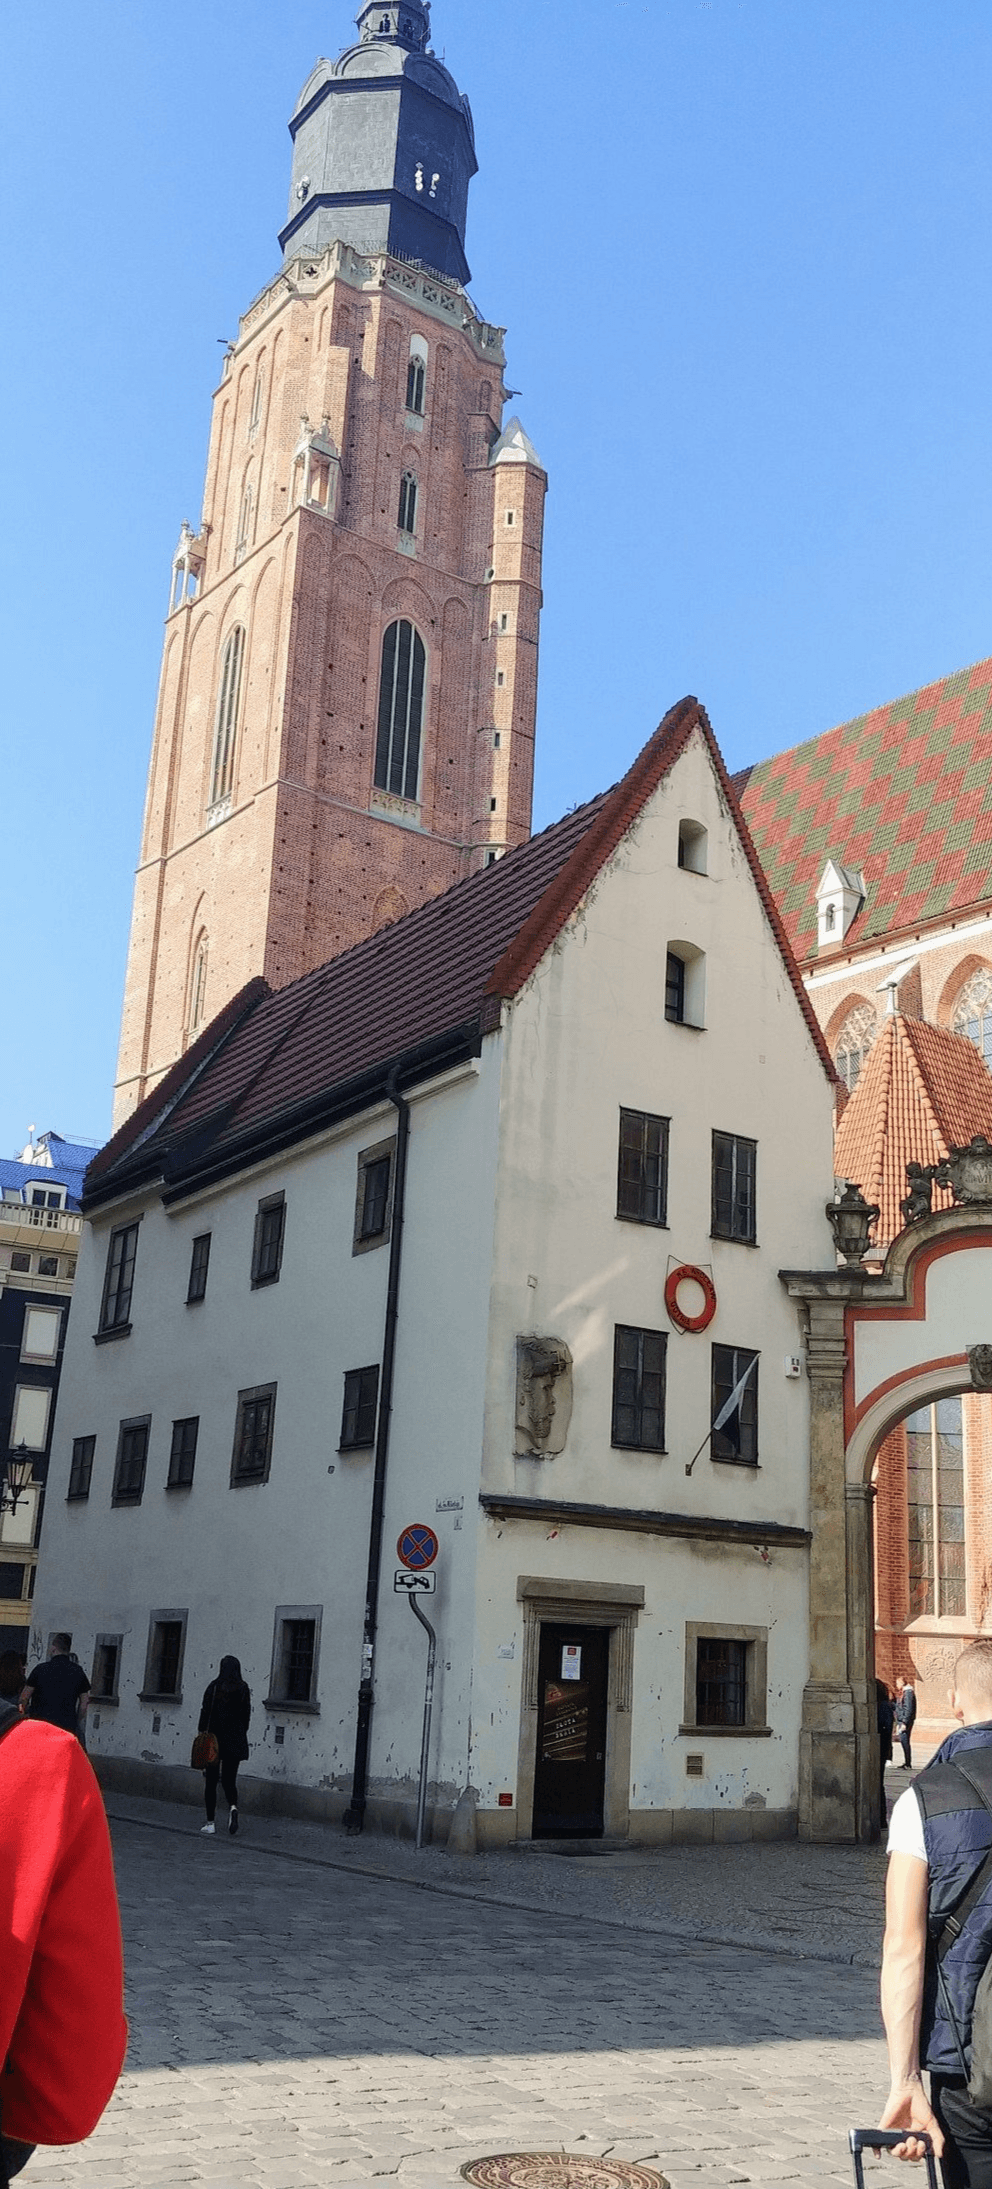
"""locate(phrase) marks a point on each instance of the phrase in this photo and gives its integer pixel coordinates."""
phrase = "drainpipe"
(354, 1817)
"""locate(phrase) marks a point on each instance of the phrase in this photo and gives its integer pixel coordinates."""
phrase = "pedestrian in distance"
(57, 1690)
(226, 1714)
(938, 1942)
(885, 1709)
(905, 1719)
(12, 1675)
(62, 2027)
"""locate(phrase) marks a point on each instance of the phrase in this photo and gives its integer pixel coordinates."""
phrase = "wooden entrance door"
(570, 1771)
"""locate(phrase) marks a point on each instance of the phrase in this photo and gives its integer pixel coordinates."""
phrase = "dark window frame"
(406, 515)
(199, 1268)
(754, 1643)
(284, 1674)
(118, 1281)
(157, 1620)
(636, 1404)
(734, 1200)
(674, 988)
(727, 1365)
(268, 1241)
(721, 1681)
(132, 1461)
(360, 1409)
(416, 383)
(402, 710)
(80, 1470)
(251, 1401)
(633, 1168)
(364, 1241)
(182, 1452)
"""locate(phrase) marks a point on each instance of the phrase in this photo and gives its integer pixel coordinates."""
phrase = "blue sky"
(742, 250)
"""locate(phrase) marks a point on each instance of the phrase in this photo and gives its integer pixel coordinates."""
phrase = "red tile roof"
(444, 968)
(904, 793)
(922, 1091)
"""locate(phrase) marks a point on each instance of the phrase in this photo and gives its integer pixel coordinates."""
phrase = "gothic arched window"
(256, 402)
(415, 378)
(973, 1012)
(227, 716)
(244, 524)
(853, 1044)
(401, 710)
(407, 517)
(198, 989)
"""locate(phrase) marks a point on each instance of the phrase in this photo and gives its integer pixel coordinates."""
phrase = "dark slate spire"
(383, 147)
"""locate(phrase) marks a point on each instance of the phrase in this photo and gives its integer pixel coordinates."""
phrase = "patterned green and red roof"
(904, 793)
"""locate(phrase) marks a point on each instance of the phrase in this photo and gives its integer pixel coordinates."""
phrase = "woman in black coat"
(226, 1712)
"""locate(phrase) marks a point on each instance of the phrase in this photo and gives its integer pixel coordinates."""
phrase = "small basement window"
(295, 1654)
(164, 1661)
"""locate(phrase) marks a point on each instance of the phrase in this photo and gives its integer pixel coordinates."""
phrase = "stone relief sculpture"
(544, 1397)
(980, 1364)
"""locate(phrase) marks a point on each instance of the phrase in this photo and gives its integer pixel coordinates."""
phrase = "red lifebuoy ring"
(687, 1273)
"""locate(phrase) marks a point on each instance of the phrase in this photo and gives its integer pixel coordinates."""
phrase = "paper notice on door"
(571, 1661)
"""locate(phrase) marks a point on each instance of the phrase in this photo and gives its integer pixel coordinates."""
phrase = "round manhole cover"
(558, 2170)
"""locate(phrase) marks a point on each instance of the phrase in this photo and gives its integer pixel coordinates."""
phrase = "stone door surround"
(615, 1605)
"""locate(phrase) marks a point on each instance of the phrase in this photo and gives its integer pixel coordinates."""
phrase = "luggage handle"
(886, 2139)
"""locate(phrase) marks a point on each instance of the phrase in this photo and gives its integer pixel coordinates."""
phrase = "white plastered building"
(476, 1227)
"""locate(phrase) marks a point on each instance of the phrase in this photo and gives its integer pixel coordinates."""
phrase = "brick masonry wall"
(311, 857)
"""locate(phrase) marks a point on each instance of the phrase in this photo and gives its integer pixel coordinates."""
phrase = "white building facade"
(478, 1227)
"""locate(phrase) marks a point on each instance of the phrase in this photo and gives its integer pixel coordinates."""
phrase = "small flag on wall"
(728, 1421)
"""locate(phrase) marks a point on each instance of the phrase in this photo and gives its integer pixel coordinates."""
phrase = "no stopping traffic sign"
(417, 1546)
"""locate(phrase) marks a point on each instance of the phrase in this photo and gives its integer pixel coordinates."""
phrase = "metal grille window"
(298, 1650)
(401, 710)
(199, 1263)
(222, 772)
(165, 1659)
(674, 988)
(415, 385)
(358, 1416)
(132, 1459)
(734, 1181)
(639, 1389)
(270, 1225)
(642, 1176)
(81, 1468)
(738, 1439)
(106, 1668)
(935, 1511)
(182, 1456)
(252, 1456)
(118, 1283)
(407, 513)
(721, 1682)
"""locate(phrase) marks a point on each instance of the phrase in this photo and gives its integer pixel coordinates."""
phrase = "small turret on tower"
(383, 148)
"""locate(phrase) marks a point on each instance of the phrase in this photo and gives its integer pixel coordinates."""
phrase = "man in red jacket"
(62, 2027)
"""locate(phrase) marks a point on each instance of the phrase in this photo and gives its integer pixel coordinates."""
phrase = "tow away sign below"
(414, 1584)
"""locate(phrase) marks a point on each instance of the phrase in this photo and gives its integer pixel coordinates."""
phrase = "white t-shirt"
(906, 1827)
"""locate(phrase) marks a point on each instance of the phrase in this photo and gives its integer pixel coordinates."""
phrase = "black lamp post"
(16, 1478)
(850, 1218)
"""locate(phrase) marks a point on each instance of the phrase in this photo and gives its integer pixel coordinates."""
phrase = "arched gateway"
(878, 1347)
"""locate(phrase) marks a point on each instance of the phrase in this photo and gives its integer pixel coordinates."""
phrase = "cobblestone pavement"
(297, 2022)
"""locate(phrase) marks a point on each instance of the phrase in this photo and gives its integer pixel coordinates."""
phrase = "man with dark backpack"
(937, 1954)
(62, 2027)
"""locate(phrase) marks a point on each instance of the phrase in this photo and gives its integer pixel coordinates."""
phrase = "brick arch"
(198, 940)
(843, 1011)
(389, 905)
(973, 963)
(406, 598)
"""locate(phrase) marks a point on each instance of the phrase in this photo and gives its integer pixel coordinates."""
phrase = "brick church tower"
(345, 721)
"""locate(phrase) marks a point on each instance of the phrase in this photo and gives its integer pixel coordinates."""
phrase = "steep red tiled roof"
(922, 1091)
(903, 793)
(447, 965)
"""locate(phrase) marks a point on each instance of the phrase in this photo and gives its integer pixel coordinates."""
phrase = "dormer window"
(839, 898)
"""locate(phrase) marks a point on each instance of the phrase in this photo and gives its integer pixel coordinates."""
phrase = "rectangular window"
(106, 1668)
(373, 1200)
(11, 1582)
(361, 1398)
(21, 1262)
(40, 1336)
(118, 1283)
(182, 1455)
(29, 1421)
(734, 1198)
(199, 1263)
(639, 1389)
(164, 1661)
(270, 1224)
(252, 1455)
(295, 1654)
(738, 1439)
(81, 1468)
(642, 1177)
(721, 1681)
(674, 988)
(132, 1459)
(48, 1265)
